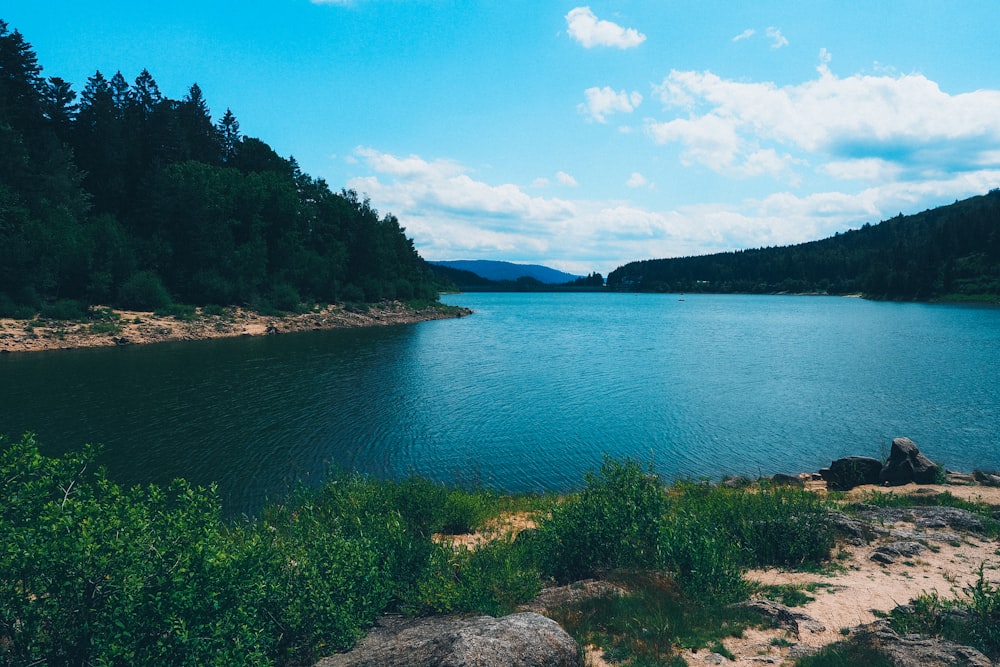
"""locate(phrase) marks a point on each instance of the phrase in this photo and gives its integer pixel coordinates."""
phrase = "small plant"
(182, 312)
(718, 647)
(845, 654)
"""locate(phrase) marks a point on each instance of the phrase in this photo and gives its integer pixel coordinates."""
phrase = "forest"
(947, 253)
(122, 196)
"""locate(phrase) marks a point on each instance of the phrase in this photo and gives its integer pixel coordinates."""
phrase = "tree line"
(120, 195)
(950, 252)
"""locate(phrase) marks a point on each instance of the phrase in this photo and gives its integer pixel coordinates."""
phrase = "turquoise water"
(530, 392)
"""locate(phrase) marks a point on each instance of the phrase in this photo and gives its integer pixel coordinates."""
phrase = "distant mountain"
(508, 271)
(948, 253)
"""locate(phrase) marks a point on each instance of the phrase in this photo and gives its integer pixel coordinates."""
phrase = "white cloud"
(451, 214)
(566, 179)
(903, 123)
(586, 29)
(636, 180)
(602, 102)
(746, 34)
(777, 39)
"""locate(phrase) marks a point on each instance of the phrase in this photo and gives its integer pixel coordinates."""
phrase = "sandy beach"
(140, 328)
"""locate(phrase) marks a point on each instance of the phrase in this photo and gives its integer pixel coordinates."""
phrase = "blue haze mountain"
(499, 271)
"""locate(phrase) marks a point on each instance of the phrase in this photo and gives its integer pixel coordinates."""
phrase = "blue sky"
(581, 136)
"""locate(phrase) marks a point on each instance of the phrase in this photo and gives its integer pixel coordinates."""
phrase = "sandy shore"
(139, 328)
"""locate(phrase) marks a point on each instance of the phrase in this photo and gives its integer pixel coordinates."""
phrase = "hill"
(947, 253)
(122, 196)
(509, 271)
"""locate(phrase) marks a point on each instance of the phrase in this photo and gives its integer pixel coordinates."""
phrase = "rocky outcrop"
(525, 639)
(846, 473)
(906, 464)
(917, 651)
(888, 553)
(794, 621)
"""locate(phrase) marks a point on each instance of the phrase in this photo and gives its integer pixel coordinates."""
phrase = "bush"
(93, 574)
(178, 311)
(493, 580)
(616, 521)
(143, 291)
(64, 309)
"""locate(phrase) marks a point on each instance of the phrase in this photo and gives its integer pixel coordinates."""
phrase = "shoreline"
(145, 328)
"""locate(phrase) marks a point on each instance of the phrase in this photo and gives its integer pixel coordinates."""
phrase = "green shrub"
(143, 291)
(770, 525)
(64, 309)
(94, 574)
(493, 579)
(616, 521)
(178, 311)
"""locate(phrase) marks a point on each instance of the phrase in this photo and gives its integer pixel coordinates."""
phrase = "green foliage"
(178, 311)
(770, 525)
(64, 309)
(616, 521)
(646, 625)
(143, 291)
(973, 619)
(493, 579)
(846, 654)
(133, 198)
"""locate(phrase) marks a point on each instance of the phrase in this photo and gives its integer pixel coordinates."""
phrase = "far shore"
(141, 328)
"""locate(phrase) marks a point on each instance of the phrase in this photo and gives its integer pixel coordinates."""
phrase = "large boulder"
(906, 464)
(846, 473)
(519, 640)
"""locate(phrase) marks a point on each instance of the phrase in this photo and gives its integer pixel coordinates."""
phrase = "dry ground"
(142, 327)
(852, 590)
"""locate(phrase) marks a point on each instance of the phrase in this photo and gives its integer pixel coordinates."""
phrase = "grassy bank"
(91, 573)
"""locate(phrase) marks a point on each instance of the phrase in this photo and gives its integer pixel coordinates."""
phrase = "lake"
(529, 393)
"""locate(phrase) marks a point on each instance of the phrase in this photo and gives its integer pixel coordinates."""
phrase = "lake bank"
(126, 327)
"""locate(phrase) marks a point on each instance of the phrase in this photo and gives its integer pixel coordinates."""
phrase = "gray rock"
(519, 640)
(857, 532)
(846, 473)
(916, 651)
(785, 617)
(906, 464)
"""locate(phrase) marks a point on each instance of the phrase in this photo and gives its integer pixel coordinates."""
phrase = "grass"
(972, 619)
(845, 654)
(652, 622)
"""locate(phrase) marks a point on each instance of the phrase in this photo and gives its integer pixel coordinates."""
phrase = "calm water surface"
(528, 393)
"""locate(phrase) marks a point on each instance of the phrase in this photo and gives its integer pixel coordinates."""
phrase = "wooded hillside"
(951, 252)
(123, 196)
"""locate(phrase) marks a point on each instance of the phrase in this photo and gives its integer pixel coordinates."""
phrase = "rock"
(952, 517)
(888, 553)
(525, 639)
(987, 478)
(959, 478)
(785, 617)
(857, 532)
(916, 650)
(788, 480)
(846, 473)
(906, 464)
